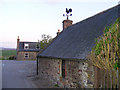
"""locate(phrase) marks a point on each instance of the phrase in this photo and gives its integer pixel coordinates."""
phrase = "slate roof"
(32, 46)
(77, 41)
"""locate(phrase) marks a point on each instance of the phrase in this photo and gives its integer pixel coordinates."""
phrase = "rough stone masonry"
(77, 73)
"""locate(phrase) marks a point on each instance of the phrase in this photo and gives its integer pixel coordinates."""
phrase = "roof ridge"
(97, 14)
(75, 24)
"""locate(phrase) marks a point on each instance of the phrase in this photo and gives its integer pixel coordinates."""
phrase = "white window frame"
(26, 55)
(26, 45)
(61, 68)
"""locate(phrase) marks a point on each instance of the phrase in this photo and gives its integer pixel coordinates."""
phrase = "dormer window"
(26, 46)
(38, 46)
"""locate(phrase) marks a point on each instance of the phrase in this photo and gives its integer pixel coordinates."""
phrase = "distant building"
(27, 50)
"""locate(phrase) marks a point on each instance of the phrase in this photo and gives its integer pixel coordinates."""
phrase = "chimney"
(18, 40)
(58, 32)
(67, 23)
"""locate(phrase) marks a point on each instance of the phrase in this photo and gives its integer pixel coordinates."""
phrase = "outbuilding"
(64, 61)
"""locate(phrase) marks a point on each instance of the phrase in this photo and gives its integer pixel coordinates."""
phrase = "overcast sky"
(29, 19)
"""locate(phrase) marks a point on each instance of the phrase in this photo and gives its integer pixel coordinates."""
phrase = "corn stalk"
(106, 52)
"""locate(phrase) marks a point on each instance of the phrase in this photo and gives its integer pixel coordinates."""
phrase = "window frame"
(37, 47)
(63, 69)
(26, 45)
(26, 55)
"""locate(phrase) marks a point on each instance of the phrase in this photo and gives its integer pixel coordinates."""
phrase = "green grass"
(56, 85)
(7, 53)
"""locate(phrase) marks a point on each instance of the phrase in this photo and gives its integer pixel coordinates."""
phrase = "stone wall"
(32, 56)
(77, 73)
(50, 69)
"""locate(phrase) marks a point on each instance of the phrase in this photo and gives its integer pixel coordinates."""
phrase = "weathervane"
(68, 13)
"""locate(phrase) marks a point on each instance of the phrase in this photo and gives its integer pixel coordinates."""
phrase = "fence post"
(103, 78)
(37, 66)
(96, 77)
(118, 77)
(108, 79)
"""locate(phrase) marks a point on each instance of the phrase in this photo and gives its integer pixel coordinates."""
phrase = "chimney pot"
(67, 23)
(58, 32)
(18, 37)
(18, 40)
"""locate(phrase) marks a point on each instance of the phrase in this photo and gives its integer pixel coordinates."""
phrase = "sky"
(29, 19)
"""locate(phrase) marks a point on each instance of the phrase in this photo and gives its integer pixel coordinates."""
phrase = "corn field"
(105, 57)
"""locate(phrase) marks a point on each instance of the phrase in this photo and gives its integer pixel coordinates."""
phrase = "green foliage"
(12, 57)
(2, 58)
(117, 65)
(108, 38)
(106, 52)
(38, 45)
(46, 39)
(6, 54)
(56, 85)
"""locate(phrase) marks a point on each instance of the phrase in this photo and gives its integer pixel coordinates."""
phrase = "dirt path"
(22, 74)
(14, 74)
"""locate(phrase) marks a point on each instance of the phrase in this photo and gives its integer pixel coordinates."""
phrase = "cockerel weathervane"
(68, 13)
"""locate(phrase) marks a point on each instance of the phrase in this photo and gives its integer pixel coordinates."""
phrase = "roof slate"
(32, 46)
(77, 41)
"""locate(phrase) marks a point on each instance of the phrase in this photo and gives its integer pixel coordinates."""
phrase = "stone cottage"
(64, 61)
(27, 50)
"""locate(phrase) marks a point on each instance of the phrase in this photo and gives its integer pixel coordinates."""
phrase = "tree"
(46, 39)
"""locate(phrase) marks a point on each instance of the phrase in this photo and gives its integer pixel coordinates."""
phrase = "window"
(63, 68)
(26, 46)
(26, 55)
(38, 46)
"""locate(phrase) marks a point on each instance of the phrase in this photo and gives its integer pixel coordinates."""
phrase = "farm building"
(64, 61)
(27, 50)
